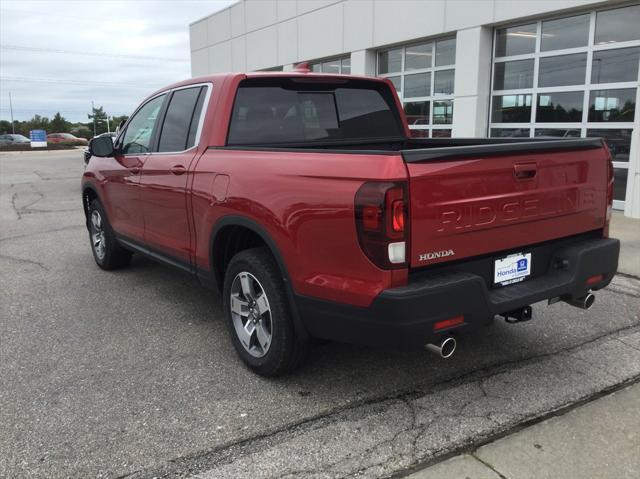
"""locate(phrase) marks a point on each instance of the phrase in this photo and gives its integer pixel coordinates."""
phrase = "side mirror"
(101, 146)
(87, 156)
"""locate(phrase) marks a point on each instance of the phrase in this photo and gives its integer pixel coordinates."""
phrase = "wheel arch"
(89, 193)
(235, 223)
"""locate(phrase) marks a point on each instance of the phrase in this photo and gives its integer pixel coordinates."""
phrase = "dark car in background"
(13, 139)
(66, 138)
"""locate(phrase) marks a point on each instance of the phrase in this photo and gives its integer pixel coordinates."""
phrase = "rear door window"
(268, 111)
(180, 123)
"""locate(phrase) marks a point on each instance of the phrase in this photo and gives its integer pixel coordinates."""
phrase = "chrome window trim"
(205, 109)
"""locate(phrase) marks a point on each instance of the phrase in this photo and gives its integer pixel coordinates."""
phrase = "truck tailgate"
(467, 201)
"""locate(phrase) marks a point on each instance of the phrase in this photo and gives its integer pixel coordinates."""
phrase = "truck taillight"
(381, 223)
(610, 178)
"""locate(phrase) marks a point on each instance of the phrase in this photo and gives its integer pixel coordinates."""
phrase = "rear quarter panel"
(305, 202)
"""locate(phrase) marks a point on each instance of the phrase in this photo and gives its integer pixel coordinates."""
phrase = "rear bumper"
(404, 317)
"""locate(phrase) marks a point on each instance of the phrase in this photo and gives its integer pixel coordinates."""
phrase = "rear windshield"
(285, 111)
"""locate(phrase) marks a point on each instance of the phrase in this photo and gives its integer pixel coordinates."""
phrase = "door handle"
(134, 170)
(525, 171)
(178, 169)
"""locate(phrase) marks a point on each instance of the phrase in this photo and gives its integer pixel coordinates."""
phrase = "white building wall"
(260, 34)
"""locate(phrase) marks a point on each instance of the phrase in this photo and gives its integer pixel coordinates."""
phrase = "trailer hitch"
(518, 315)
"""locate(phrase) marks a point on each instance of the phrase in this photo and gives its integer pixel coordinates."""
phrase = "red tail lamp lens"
(448, 323)
(398, 215)
(371, 218)
(595, 279)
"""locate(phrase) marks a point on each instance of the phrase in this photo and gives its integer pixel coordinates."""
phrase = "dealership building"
(462, 68)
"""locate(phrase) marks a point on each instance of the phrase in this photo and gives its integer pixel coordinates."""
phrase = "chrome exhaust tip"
(583, 303)
(444, 348)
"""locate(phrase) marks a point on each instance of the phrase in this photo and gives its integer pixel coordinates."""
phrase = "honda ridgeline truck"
(305, 201)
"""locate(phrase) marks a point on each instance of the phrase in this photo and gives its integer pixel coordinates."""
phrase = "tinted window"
(443, 112)
(611, 66)
(444, 81)
(618, 141)
(418, 56)
(511, 109)
(563, 70)
(137, 138)
(565, 33)
(418, 84)
(195, 120)
(515, 40)
(417, 112)
(284, 111)
(612, 105)
(619, 25)
(445, 52)
(175, 128)
(512, 75)
(558, 132)
(560, 107)
(390, 61)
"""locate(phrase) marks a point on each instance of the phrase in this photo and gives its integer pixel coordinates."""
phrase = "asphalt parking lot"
(132, 373)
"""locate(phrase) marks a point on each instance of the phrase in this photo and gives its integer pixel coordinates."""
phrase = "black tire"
(286, 350)
(112, 255)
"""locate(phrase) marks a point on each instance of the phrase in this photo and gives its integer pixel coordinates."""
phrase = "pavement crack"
(490, 466)
(24, 261)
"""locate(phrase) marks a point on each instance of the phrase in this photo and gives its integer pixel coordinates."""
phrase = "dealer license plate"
(512, 269)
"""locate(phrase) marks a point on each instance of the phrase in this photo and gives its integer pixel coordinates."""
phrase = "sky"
(61, 55)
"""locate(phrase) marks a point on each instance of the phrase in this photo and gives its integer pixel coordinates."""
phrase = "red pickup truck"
(304, 200)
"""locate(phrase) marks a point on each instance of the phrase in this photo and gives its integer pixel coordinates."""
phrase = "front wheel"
(258, 314)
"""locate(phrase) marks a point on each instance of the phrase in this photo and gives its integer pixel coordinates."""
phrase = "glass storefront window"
(513, 75)
(562, 70)
(516, 40)
(510, 132)
(565, 33)
(620, 176)
(618, 65)
(417, 84)
(618, 25)
(333, 65)
(618, 141)
(424, 77)
(446, 52)
(417, 113)
(390, 61)
(562, 107)
(590, 90)
(443, 112)
(511, 109)
(612, 105)
(558, 132)
(440, 133)
(444, 80)
(418, 57)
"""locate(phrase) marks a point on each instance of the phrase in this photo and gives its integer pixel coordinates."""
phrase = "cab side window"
(181, 120)
(137, 137)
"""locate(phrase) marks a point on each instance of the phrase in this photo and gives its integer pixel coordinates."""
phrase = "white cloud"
(44, 82)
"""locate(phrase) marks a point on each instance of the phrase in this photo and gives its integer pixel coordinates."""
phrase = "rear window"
(282, 111)
(176, 129)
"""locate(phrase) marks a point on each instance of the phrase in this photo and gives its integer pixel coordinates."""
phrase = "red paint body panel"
(477, 206)
(304, 201)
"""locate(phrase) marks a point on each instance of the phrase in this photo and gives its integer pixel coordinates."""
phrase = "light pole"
(93, 114)
(13, 126)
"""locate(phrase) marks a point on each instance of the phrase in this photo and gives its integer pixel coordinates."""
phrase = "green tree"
(5, 127)
(59, 124)
(99, 117)
(37, 123)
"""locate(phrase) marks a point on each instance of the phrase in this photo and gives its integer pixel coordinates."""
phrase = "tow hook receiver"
(518, 315)
(583, 303)
(445, 348)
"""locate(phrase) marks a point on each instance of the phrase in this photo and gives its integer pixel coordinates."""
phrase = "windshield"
(281, 111)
